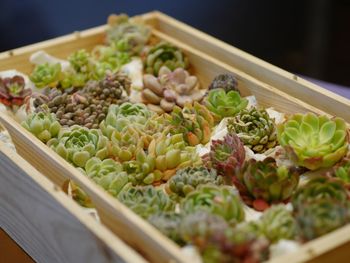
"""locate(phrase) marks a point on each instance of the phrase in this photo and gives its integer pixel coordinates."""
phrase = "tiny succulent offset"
(255, 128)
(13, 91)
(261, 183)
(314, 141)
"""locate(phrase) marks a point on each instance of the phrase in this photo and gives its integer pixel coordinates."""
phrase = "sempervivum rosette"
(188, 179)
(255, 128)
(108, 174)
(43, 125)
(321, 206)
(261, 183)
(13, 91)
(78, 144)
(224, 104)
(226, 155)
(194, 121)
(314, 141)
(146, 200)
(165, 54)
(218, 200)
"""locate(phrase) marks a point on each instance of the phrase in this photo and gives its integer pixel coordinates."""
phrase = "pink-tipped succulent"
(226, 155)
(13, 91)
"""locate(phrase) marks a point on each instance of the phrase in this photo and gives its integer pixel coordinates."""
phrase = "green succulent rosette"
(188, 179)
(225, 104)
(46, 75)
(314, 141)
(165, 54)
(78, 144)
(43, 125)
(169, 224)
(146, 200)
(342, 171)
(277, 223)
(255, 129)
(194, 121)
(221, 201)
(261, 183)
(81, 61)
(125, 115)
(108, 174)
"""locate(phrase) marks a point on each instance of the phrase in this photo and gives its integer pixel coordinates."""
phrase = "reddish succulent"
(12, 91)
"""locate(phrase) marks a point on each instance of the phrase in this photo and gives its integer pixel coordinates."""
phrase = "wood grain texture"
(47, 224)
(287, 82)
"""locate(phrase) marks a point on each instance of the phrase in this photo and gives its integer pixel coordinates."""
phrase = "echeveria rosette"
(314, 141)
(224, 104)
(189, 179)
(13, 91)
(194, 121)
(46, 75)
(43, 125)
(169, 224)
(218, 200)
(262, 183)
(78, 144)
(226, 155)
(277, 223)
(108, 174)
(255, 129)
(226, 82)
(124, 115)
(110, 56)
(146, 200)
(165, 54)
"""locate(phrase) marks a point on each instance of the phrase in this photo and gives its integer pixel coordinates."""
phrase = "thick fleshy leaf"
(312, 120)
(327, 131)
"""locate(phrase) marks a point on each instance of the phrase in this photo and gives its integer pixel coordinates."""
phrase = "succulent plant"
(164, 54)
(225, 155)
(226, 82)
(170, 154)
(342, 171)
(43, 125)
(13, 91)
(222, 201)
(81, 61)
(277, 223)
(80, 196)
(46, 75)
(127, 35)
(194, 121)
(170, 88)
(321, 206)
(126, 114)
(261, 183)
(146, 200)
(188, 179)
(314, 141)
(169, 224)
(255, 129)
(108, 174)
(78, 144)
(225, 104)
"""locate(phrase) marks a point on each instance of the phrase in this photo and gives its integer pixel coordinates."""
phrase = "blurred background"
(310, 37)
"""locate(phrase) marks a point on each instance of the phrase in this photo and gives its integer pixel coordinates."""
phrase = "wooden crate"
(209, 57)
(47, 224)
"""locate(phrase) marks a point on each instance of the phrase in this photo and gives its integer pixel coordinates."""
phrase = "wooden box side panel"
(47, 225)
(289, 83)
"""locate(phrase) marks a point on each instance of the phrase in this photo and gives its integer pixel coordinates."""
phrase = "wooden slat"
(289, 83)
(48, 225)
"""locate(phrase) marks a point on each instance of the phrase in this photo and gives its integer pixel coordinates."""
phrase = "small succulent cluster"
(13, 91)
(342, 171)
(170, 88)
(227, 82)
(194, 121)
(165, 54)
(47, 75)
(314, 141)
(255, 128)
(225, 104)
(321, 206)
(262, 183)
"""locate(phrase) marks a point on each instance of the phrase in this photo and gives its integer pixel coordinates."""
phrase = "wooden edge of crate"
(261, 70)
(52, 235)
(118, 218)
